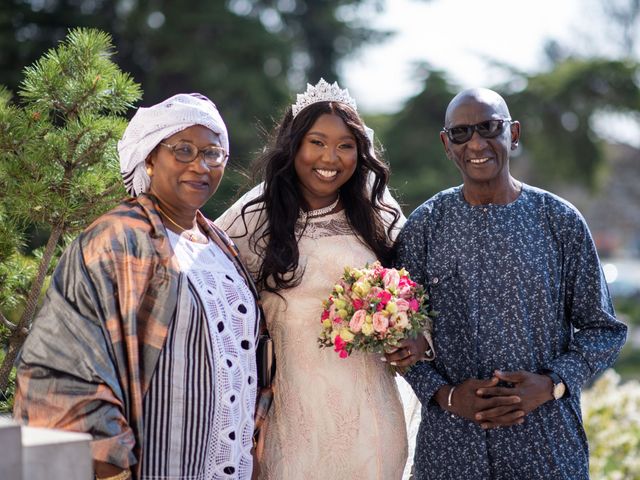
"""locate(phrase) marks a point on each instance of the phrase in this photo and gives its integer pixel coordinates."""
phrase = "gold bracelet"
(123, 475)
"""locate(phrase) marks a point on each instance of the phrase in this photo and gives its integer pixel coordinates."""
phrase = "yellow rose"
(402, 321)
(338, 288)
(339, 303)
(391, 307)
(367, 328)
(361, 288)
(342, 313)
(326, 323)
(346, 335)
(368, 319)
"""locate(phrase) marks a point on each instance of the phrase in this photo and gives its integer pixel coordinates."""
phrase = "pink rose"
(340, 347)
(405, 291)
(391, 278)
(384, 296)
(404, 280)
(358, 303)
(379, 270)
(333, 314)
(405, 287)
(324, 316)
(358, 319)
(414, 305)
(380, 322)
(402, 305)
(374, 292)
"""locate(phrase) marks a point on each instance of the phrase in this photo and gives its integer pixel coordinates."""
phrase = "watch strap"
(555, 378)
(559, 388)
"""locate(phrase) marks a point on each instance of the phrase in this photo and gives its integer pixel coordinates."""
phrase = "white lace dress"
(332, 418)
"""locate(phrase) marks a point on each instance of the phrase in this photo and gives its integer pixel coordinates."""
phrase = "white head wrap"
(150, 126)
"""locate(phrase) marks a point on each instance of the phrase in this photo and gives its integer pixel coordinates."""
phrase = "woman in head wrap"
(146, 339)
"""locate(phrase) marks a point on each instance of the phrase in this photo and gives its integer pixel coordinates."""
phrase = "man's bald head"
(480, 96)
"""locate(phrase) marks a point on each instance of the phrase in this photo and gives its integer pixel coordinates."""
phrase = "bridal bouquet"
(372, 309)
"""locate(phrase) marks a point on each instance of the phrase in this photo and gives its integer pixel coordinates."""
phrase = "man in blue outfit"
(524, 314)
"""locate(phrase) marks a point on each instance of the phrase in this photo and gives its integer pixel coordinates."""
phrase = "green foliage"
(78, 78)
(58, 165)
(557, 109)
(10, 238)
(610, 411)
(244, 55)
(6, 398)
(419, 165)
(231, 58)
(628, 362)
(328, 31)
(16, 274)
(58, 158)
(59, 147)
(628, 311)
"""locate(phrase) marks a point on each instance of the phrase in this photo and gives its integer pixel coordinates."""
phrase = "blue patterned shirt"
(517, 287)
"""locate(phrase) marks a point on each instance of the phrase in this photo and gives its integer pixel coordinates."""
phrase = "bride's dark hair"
(281, 200)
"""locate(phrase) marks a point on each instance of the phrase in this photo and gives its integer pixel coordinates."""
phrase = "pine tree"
(58, 162)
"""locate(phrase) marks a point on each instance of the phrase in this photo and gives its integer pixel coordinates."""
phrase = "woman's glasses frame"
(213, 155)
(460, 134)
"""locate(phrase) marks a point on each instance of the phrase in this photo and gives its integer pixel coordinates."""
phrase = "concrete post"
(55, 454)
(29, 453)
(11, 456)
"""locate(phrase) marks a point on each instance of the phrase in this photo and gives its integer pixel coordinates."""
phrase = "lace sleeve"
(231, 220)
(242, 229)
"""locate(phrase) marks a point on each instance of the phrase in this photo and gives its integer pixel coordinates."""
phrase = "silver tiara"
(322, 92)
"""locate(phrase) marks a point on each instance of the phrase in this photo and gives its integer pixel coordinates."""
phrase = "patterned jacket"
(94, 345)
(516, 287)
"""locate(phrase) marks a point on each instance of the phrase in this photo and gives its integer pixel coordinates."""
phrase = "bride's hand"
(410, 351)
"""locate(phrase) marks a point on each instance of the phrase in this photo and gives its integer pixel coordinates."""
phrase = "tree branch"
(67, 162)
(90, 203)
(97, 146)
(5, 321)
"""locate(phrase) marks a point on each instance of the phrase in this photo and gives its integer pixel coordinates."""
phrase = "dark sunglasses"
(488, 129)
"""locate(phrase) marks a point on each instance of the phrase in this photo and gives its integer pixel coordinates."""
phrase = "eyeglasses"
(488, 129)
(187, 152)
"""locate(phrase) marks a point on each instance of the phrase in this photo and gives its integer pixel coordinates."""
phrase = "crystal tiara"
(322, 92)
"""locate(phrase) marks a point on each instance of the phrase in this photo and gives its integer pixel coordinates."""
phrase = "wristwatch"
(559, 387)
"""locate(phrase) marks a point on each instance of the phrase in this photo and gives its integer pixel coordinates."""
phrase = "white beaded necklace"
(319, 212)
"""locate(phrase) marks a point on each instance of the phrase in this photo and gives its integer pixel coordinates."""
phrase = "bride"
(323, 205)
